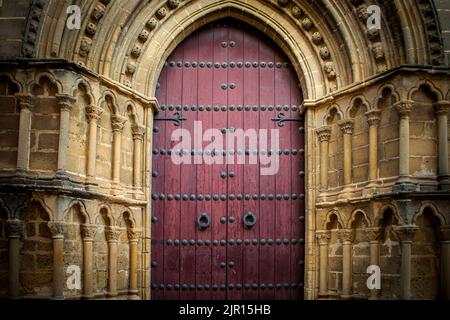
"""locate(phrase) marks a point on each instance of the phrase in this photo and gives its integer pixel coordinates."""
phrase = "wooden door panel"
(228, 77)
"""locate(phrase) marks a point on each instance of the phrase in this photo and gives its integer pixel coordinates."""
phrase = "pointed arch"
(333, 216)
(86, 219)
(436, 92)
(356, 214)
(433, 208)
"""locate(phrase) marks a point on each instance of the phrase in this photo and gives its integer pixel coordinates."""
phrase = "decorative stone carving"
(14, 228)
(131, 68)
(406, 233)
(136, 51)
(324, 133)
(85, 47)
(404, 107)
(317, 38)
(91, 28)
(65, 102)
(328, 68)
(33, 27)
(346, 235)
(296, 12)
(374, 234)
(373, 34)
(173, 4)
(307, 23)
(346, 126)
(283, 3)
(325, 53)
(378, 52)
(362, 13)
(373, 117)
(161, 13)
(134, 234)
(143, 36)
(93, 112)
(98, 12)
(138, 132)
(442, 107)
(25, 101)
(88, 231)
(118, 123)
(57, 229)
(151, 24)
(112, 234)
(323, 237)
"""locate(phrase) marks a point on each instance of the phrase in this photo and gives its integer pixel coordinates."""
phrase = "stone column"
(347, 131)
(374, 235)
(26, 104)
(138, 138)
(347, 241)
(323, 237)
(65, 103)
(58, 229)
(373, 118)
(442, 115)
(118, 124)
(406, 236)
(444, 237)
(15, 232)
(93, 114)
(324, 135)
(133, 237)
(112, 236)
(404, 182)
(87, 234)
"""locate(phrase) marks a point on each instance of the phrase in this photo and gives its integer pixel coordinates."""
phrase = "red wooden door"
(228, 76)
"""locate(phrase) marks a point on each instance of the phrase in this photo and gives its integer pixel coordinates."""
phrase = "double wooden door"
(224, 231)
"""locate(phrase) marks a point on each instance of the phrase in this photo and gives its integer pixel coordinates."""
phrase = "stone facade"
(75, 141)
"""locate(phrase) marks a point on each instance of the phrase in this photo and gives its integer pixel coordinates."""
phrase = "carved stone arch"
(333, 214)
(36, 82)
(86, 219)
(356, 102)
(378, 221)
(430, 86)
(436, 213)
(333, 110)
(130, 112)
(382, 91)
(81, 82)
(354, 217)
(104, 213)
(108, 94)
(127, 216)
(12, 80)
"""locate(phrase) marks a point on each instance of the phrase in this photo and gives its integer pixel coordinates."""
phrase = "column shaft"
(347, 238)
(15, 229)
(444, 235)
(373, 118)
(406, 235)
(324, 134)
(323, 237)
(374, 235)
(112, 236)
(87, 234)
(58, 230)
(442, 108)
(347, 130)
(93, 114)
(26, 104)
(118, 124)
(65, 103)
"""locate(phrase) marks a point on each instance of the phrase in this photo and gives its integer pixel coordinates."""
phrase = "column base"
(116, 190)
(444, 182)
(134, 296)
(89, 297)
(112, 294)
(346, 192)
(323, 295)
(346, 297)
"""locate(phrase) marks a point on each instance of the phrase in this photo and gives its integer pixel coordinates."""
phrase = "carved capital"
(442, 107)
(57, 229)
(93, 112)
(406, 233)
(138, 132)
(14, 228)
(112, 234)
(324, 133)
(65, 102)
(25, 101)
(323, 237)
(134, 234)
(88, 231)
(346, 126)
(118, 123)
(404, 108)
(444, 233)
(346, 235)
(373, 117)
(374, 234)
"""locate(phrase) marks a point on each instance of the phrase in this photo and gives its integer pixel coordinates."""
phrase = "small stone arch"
(381, 219)
(130, 112)
(448, 95)
(87, 87)
(17, 85)
(383, 92)
(428, 85)
(356, 103)
(356, 216)
(432, 207)
(109, 98)
(333, 111)
(127, 216)
(333, 219)
(105, 214)
(35, 86)
(86, 219)
(41, 203)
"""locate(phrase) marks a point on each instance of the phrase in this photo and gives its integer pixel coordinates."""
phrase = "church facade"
(92, 207)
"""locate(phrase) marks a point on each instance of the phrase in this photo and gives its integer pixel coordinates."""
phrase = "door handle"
(203, 221)
(249, 219)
